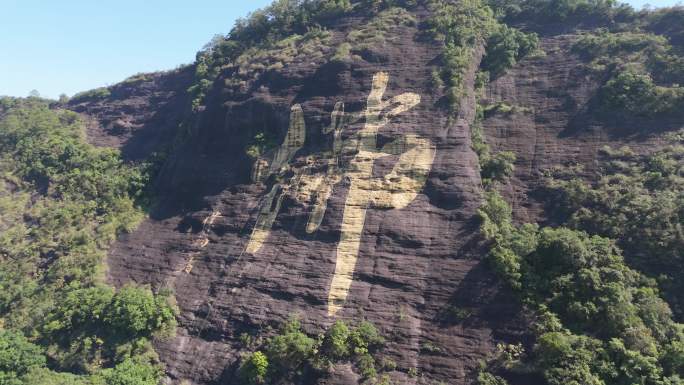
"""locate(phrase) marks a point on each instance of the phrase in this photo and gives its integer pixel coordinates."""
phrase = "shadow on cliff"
(617, 125)
(482, 300)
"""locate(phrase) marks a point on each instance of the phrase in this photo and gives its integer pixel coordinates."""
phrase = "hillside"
(347, 192)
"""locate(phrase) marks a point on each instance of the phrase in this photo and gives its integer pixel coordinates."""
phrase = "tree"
(505, 47)
(336, 341)
(291, 349)
(137, 311)
(633, 92)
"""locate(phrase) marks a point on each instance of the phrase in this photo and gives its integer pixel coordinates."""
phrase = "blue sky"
(69, 46)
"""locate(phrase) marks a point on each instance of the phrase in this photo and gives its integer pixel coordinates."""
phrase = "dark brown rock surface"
(416, 265)
(141, 115)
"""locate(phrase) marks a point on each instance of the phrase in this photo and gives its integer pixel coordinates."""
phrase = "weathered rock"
(139, 116)
(368, 216)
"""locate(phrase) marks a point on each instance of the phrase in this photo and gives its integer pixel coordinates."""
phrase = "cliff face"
(555, 123)
(363, 206)
(140, 115)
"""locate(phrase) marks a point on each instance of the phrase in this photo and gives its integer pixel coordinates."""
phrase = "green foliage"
(138, 312)
(459, 314)
(485, 378)
(138, 78)
(638, 201)
(569, 359)
(133, 372)
(644, 71)
(23, 363)
(498, 168)
(293, 354)
(635, 93)
(17, 354)
(336, 341)
(254, 369)
(44, 376)
(97, 93)
(569, 11)
(366, 365)
(602, 44)
(259, 33)
(62, 201)
(462, 26)
(365, 338)
(668, 22)
(342, 52)
(600, 321)
(291, 349)
(505, 47)
(646, 52)
(380, 31)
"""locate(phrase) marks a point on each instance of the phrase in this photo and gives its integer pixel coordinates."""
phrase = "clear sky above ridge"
(69, 46)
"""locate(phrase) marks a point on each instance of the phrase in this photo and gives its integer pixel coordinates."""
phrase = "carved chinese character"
(395, 190)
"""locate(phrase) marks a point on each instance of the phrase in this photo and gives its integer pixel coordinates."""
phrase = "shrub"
(632, 92)
(498, 168)
(580, 285)
(44, 376)
(462, 26)
(365, 338)
(68, 202)
(294, 355)
(254, 368)
(605, 45)
(81, 309)
(366, 365)
(552, 11)
(644, 218)
(343, 52)
(484, 378)
(645, 71)
(17, 355)
(565, 358)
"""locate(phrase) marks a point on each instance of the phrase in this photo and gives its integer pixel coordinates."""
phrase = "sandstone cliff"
(363, 207)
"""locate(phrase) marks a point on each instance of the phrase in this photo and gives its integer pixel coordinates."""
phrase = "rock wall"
(555, 124)
(141, 115)
(364, 208)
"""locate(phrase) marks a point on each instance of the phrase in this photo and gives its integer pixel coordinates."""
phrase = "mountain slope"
(336, 160)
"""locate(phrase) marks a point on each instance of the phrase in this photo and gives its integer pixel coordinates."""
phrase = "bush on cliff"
(293, 354)
(635, 93)
(505, 47)
(254, 369)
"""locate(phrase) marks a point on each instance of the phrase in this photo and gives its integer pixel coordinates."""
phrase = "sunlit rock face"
(363, 206)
